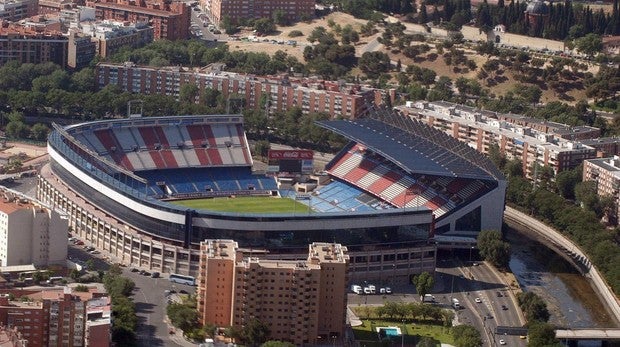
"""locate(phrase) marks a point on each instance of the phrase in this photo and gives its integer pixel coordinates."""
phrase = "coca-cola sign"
(291, 154)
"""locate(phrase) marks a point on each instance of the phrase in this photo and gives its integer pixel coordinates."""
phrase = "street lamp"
(402, 335)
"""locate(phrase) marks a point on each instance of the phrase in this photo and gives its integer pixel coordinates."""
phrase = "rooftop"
(515, 132)
(414, 146)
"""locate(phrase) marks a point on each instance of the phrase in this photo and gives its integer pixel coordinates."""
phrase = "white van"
(356, 289)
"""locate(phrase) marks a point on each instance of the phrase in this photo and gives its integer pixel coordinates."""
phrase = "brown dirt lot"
(306, 28)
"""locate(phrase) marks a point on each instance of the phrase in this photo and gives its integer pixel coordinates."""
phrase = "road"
(206, 34)
(465, 283)
(150, 302)
(471, 282)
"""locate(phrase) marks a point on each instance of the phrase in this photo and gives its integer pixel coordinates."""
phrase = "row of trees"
(572, 207)
(120, 289)
(411, 311)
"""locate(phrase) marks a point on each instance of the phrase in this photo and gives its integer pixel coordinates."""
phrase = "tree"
(264, 26)
(466, 336)
(542, 334)
(256, 332)
(182, 316)
(374, 63)
(262, 148)
(81, 288)
(90, 264)
(280, 18)
(589, 44)
(496, 156)
(493, 249)
(533, 307)
(423, 283)
(188, 93)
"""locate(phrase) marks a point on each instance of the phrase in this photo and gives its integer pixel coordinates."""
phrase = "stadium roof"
(414, 146)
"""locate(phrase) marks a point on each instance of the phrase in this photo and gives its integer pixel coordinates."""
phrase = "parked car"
(133, 269)
(155, 274)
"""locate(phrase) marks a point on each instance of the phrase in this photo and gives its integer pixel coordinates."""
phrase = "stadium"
(147, 191)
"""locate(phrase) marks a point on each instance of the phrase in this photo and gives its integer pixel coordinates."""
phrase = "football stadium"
(147, 191)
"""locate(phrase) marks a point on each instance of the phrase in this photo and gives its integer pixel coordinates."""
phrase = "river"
(571, 299)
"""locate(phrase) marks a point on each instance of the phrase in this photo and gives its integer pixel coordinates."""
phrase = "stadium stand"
(171, 146)
(407, 165)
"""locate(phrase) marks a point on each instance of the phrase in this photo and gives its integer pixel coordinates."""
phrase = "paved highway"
(471, 282)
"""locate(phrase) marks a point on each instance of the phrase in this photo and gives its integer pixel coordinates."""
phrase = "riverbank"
(571, 298)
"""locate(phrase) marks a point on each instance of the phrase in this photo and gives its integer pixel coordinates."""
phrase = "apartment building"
(14, 10)
(282, 92)
(238, 11)
(81, 50)
(170, 20)
(28, 45)
(517, 137)
(606, 173)
(302, 301)
(30, 231)
(109, 36)
(58, 317)
(56, 6)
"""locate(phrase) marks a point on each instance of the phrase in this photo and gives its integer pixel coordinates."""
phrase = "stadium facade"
(388, 192)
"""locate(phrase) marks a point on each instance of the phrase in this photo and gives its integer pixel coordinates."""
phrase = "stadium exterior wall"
(125, 244)
(492, 212)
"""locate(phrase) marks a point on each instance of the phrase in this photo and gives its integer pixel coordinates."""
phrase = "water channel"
(571, 299)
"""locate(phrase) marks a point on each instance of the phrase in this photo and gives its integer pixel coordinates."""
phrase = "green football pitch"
(252, 204)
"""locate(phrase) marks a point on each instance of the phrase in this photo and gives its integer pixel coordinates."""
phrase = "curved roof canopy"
(414, 146)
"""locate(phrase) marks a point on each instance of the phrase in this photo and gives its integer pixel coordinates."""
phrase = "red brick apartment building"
(311, 95)
(170, 20)
(250, 9)
(303, 302)
(57, 317)
(29, 46)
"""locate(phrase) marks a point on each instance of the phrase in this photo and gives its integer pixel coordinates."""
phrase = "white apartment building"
(30, 231)
(531, 141)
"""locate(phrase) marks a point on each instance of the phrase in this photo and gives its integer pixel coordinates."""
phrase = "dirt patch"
(305, 28)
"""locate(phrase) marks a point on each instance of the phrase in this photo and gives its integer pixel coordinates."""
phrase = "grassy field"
(413, 332)
(246, 204)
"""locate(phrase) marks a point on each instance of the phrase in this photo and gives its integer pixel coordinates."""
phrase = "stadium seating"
(171, 146)
(372, 173)
(198, 180)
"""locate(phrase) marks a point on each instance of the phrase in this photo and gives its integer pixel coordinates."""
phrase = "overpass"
(588, 334)
(570, 251)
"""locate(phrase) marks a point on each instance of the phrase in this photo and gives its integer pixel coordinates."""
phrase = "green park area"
(366, 334)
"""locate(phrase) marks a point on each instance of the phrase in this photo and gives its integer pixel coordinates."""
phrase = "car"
(475, 264)
(523, 337)
(146, 273)
(94, 252)
(166, 292)
(142, 272)
(381, 290)
(488, 316)
(478, 300)
(499, 294)
(182, 291)
(172, 291)
(133, 269)
(502, 342)
(155, 274)
(79, 242)
(388, 290)
(504, 308)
